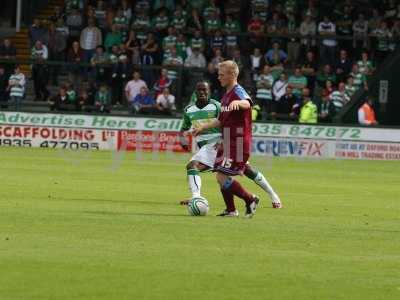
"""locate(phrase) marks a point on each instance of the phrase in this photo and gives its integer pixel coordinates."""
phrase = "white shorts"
(206, 155)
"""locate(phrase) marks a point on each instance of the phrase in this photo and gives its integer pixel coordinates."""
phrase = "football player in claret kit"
(203, 111)
(234, 151)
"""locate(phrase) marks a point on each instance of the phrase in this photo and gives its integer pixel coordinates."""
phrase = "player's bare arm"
(213, 124)
(239, 105)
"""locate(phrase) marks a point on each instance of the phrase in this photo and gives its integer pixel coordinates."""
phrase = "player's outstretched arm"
(239, 105)
(201, 128)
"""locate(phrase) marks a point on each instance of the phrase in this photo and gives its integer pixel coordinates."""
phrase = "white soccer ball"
(198, 206)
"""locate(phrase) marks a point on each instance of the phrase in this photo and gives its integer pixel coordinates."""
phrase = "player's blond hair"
(230, 66)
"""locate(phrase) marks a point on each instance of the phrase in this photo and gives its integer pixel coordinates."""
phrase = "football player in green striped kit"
(205, 110)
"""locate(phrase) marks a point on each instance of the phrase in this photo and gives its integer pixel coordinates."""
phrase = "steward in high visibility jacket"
(308, 112)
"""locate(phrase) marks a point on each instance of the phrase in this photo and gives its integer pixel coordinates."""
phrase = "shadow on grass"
(115, 213)
(175, 203)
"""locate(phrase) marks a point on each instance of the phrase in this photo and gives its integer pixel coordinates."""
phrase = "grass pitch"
(102, 225)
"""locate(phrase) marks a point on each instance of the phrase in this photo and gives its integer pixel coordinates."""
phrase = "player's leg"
(229, 188)
(262, 182)
(193, 169)
(203, 160)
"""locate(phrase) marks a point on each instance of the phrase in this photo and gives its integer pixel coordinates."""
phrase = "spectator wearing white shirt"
(166, 102)
(90, 38)
(132, 88)
(328, 46)
(40, 71)
(16, 86)
(196, 59)
(279, 87)
(307, 28)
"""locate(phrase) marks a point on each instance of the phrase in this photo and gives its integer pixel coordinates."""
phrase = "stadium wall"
(100, 132)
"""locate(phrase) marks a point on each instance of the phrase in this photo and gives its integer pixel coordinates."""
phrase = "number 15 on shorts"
(227, 162)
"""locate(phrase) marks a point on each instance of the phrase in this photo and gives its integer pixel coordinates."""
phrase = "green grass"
(103, 226)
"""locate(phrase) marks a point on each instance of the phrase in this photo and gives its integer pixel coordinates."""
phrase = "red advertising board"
(136, 140)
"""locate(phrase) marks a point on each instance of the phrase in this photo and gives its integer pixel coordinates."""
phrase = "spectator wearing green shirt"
(326, 75)
(98, 62)
(308, 111)
(173, 61)
(169, 42)
(213, 23)
(360, 80)
(141, 25)
(181, 46)
(211, 9)
(231, 28)
(178, 21)
(122, 24)
(197, 41)
(160, 23)
(114, 37)
(365, 65)
(350, 89)
(298, 82)
(102, 100)
(194, 22)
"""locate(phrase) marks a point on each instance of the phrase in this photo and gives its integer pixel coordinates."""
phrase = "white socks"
(264, 184)
(194, 185)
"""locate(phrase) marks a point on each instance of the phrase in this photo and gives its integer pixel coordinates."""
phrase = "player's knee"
(191, 165)
(221, 178)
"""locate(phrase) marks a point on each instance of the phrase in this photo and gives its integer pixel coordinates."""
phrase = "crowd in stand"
(301, 60)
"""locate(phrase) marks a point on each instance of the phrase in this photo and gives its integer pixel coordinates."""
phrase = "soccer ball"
(198, 206)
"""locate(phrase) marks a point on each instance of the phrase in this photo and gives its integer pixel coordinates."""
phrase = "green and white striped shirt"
(364, 66)
(17, 83)
(350, 90)
(263, 92)
(359, 79)
(298, 80)
(339, 99)
(174, 61)
(161, 22)
(194, 117)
